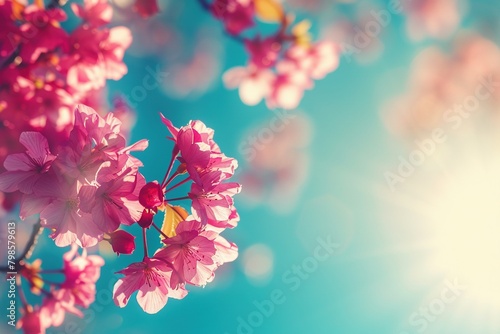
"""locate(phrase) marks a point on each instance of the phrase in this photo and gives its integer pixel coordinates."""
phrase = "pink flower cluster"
(84, 189)
(45, 71)
(81, 273)
(281, 66)
(192, 247)
(89, 189)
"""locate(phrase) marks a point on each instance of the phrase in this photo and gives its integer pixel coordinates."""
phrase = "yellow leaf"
(301, 28)
(40, 4)
(173, 216)
(17, 9)
(269, 10)
(301, 33)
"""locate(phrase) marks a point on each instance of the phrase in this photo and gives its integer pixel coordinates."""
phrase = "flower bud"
(151, 195)
(146, 218)
(122, 242)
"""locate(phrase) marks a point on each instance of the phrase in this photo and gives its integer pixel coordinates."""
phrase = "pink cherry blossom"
(90, 64)
(264, 52)
(213, 202)
(151, 278)
(81, 268)
(196, 252)
(63, 214)
(93, 141)
(94, 12)
(316, 60)
(288, 90)
(31, 322)
(225, 251)
(55, 306)
(56, 98)
(113, 50)
(237, 15)
(190, 253)
(8, 28)
(114, 200)
(81, 273)
(254, 83)
(25, 169)
(42, 28)
(196, 131)
(199, 152)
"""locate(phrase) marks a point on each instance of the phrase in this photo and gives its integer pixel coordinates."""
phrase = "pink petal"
(35, 143)
(87, 197)
(9, 181)
(123, 289)
(32, 204)
(252, 92)
(152, 298)
(18, 162)
(233, 77)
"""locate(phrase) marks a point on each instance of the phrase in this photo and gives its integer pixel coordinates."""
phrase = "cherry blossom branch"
(28, 250)
(169, 169)
(11, 58)
(22, 296)
(159, 230)
(145, 243)
(178, 184)
(177, 198)
(37, 228)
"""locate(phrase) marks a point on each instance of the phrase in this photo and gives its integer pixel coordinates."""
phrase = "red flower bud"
(151, 195)
(122, 242)
(146, 8)
(146, 218)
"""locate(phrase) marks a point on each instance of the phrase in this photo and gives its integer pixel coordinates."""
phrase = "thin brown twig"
(28, 250)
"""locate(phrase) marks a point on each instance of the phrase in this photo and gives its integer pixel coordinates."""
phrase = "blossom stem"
(178, 184)
(177, 198)
(145, 243)
(159, 230)
(51, 271)
(22, 296)
(37, 228)
(175, 151)
(11, 58)
(51, 283)
(170, 179)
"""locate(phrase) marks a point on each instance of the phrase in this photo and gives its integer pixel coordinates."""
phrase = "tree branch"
(28, 250)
